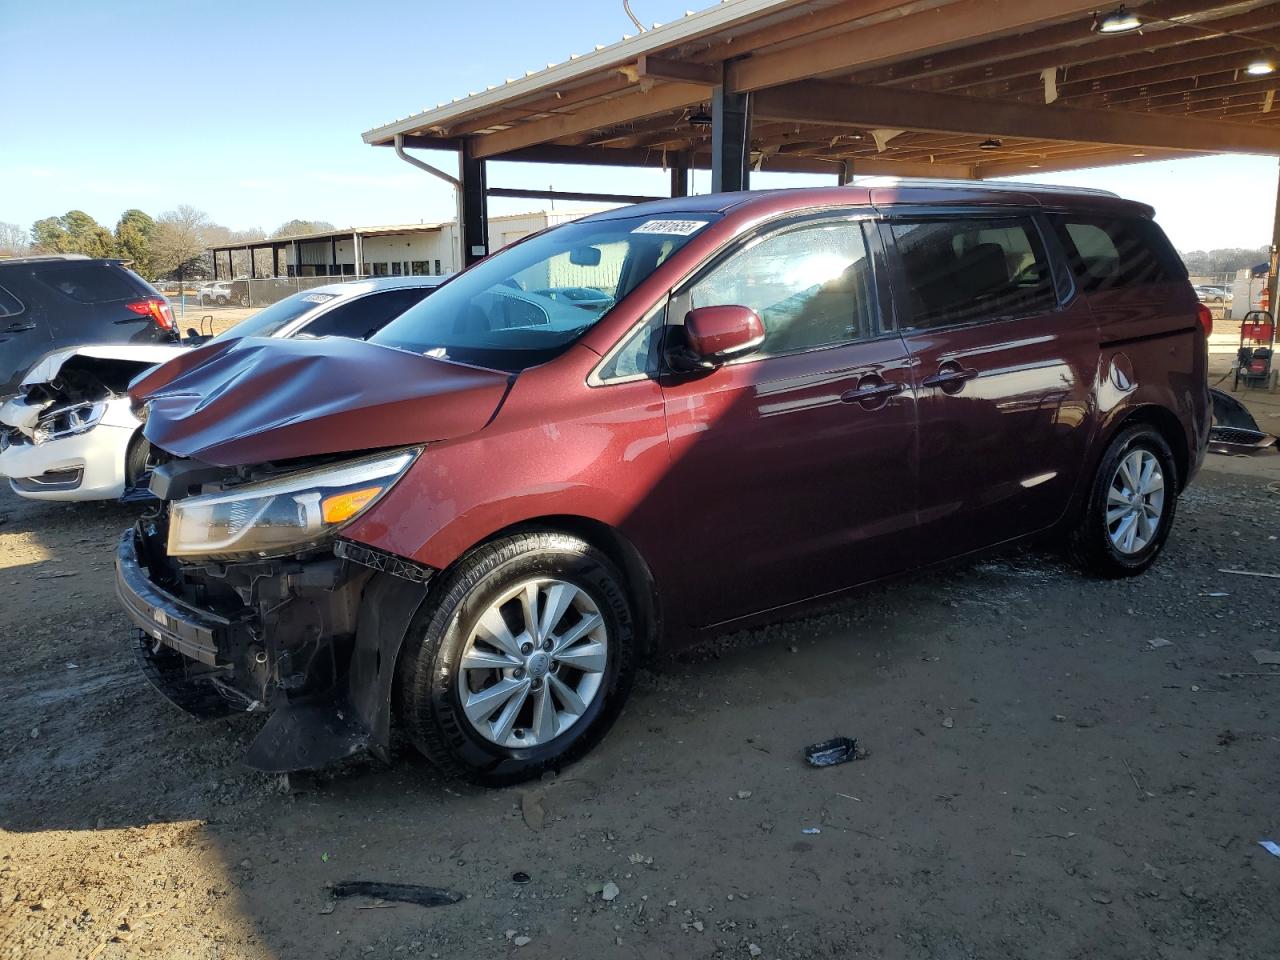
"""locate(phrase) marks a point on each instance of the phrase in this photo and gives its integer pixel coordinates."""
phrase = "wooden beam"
(1126, 99)
(903, 168)
(568, 195)
(629, 106)
(426, 143)
(965, 21)
(1207, 97)
(1227, 64)
(821, 101)
(1108, 58)
(701, 159)
(679, 71)
(987, 60)
(1103, 158)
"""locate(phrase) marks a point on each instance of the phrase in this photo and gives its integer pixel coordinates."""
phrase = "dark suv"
(490, 511)
(47, 303)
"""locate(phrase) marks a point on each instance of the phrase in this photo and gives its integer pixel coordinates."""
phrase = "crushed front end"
(246, 597)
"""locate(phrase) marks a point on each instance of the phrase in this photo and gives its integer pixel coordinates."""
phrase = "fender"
(386, 610)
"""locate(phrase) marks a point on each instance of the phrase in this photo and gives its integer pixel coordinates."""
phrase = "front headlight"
(282, 516)
(68, 421)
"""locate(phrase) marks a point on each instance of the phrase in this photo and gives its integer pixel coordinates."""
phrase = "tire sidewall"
(1138, 437)
(441, 630)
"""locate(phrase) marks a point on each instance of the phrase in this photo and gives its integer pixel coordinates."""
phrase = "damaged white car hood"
(47, 369)
(23, 414)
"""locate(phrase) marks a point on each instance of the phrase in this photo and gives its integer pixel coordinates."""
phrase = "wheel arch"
(1167, 424)
(639, 582)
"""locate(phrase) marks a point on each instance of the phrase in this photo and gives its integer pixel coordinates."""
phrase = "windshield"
(267, 322)
(526, 304)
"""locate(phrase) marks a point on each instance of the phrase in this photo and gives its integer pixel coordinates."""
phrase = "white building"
(390, 251)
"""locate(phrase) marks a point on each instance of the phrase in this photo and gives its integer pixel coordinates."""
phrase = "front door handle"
(19, 327)
(950, 378)
(871, 392)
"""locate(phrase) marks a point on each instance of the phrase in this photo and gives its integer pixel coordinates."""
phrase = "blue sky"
(253, 112)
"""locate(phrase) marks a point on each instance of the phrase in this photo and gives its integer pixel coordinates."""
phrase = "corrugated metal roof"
(727, 15)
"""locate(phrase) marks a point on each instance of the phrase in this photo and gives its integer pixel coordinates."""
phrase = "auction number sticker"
(671, 228)
(318, 297)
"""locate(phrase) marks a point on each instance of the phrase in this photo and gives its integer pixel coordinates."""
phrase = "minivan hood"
(259, 399)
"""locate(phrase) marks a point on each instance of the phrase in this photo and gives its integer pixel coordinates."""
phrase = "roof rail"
(1015, 185)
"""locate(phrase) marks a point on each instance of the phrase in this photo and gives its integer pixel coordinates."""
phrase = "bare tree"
(181, 239)
(15, 241)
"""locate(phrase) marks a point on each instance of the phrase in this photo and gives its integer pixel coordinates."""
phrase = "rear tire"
(1131, 505)
(479, 616)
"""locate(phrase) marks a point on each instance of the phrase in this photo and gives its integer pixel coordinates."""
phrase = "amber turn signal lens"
(344, 506)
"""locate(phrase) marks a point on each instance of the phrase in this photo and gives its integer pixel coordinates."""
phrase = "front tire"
(1131, 506)
(522, 662)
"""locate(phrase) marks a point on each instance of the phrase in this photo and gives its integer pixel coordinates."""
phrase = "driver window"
(811, 286)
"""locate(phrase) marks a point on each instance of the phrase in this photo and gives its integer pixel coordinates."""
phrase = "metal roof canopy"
(943, 88)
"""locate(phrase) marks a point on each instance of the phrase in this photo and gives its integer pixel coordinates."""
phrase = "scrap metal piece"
(399, 892)
(1234, 429)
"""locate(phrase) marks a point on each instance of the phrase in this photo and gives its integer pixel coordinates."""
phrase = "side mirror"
(717, 335)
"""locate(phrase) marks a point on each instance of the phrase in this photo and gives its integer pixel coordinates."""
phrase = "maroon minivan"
(653, 422)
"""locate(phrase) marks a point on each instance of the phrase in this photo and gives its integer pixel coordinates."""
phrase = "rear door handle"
(950, 376)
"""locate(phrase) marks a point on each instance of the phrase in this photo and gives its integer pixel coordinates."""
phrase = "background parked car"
(1210, 294)
(47, 303)
(72, 434)
(218, 292)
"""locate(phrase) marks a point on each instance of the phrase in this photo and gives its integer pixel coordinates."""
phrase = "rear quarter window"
(10, 306)
(1115, 253)
(94, 282)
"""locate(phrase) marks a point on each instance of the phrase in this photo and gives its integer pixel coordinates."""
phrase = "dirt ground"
(1044, 778)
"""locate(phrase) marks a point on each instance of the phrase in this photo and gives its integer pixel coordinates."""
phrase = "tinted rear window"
(1111, 253)
(93, 282)
(366, 315)
(964, 271)
(276, 317)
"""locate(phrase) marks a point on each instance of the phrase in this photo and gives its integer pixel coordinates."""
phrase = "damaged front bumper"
(312, 641)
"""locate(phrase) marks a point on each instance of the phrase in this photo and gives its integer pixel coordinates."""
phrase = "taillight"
(1206, 319)
(156, 308)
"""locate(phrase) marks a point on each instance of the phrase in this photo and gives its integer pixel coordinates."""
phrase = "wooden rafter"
(828, 102)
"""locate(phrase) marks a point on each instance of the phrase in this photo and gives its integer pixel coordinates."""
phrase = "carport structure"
(937, 88)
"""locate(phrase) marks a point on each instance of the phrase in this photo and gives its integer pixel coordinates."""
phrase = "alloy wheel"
(533, 664)
(1135, 502)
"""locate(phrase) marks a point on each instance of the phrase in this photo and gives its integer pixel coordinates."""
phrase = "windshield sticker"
(318, 297)
(671, 228)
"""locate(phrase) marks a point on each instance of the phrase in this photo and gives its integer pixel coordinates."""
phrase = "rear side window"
(1110, 253)
(364, 316)
(10, 306)
(965, 271)
(93, 282)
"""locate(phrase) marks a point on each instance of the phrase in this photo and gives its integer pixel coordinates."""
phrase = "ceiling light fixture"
(1118, 20)
(991, 144)
(1261, 67)
(701, 119)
